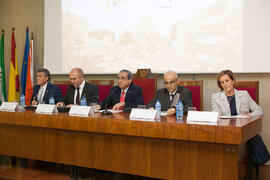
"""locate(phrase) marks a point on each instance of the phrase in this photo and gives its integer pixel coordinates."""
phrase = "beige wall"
(22, 13)
(19, 14)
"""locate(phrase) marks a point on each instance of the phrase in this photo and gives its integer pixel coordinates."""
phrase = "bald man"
(78, 88)
(167, 94)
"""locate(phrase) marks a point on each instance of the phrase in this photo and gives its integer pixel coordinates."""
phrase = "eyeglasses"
(169, 83)
(122, 78)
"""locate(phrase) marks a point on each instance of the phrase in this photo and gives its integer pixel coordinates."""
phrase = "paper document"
(164, 113)
(202, 123)
(113, 111)
(139, 119)
(240, 116)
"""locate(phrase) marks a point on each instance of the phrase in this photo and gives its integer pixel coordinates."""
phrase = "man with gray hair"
(168, 94)
(125, 95)
(44, 89)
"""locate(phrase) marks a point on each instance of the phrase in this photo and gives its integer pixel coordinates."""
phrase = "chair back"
(147, 81)
(196, 87)
(63, 85)
(104, 87)
(252, 87)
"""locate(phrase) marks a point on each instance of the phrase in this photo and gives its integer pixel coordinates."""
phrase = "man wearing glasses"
(167, 95)
(125, 95)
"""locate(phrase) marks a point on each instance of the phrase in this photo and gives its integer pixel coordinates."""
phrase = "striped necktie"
(40, 94)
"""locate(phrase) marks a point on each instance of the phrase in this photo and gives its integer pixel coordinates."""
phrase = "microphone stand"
(106, 112)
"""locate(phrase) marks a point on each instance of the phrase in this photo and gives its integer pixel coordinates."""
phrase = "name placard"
(79, 110)
(142, 114)
(9, 106)
(202, 117)
(46, 109)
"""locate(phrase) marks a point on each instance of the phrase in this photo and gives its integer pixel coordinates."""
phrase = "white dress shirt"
(125, 91)
(172, 94)
(80, 91)
(41, 92)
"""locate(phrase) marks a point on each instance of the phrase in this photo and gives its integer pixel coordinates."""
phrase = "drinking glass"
(192, 109)
(41, 102)
(244, 109)
(141, 106)
(94, 107)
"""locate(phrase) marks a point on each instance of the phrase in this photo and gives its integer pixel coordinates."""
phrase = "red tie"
(122, 98)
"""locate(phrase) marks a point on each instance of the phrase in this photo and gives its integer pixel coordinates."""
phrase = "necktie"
(122, 98)
(78, 96)
(40, 94)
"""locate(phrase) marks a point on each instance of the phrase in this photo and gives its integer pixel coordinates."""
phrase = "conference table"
(165, 148)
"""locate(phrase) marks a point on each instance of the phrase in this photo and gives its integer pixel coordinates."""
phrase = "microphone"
(106, 112)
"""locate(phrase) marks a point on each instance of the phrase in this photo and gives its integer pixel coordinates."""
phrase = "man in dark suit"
(125, 95)
(78, 88)
(168, 94)
(44, 90)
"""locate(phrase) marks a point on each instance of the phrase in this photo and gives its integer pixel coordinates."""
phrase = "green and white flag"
(3, 93)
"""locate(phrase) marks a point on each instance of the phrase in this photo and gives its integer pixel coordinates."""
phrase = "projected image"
(104, 36)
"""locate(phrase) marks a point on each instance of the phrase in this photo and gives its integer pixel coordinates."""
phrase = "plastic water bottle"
(22, 100)
(179, 110)
(83, 101)
(158, 109)
(51, 100)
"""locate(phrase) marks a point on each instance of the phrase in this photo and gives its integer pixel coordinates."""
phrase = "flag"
(13, 90)
(3, 93)
(25, 63)
(30, 76)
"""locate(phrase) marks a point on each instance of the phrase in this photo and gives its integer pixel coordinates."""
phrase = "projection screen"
(105, 36)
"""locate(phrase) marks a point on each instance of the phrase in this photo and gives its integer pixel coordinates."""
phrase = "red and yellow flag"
(13, 91)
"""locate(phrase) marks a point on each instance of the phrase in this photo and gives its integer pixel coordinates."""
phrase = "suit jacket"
(164, 97)
(242, 99)
(51, 89)
(133, 97)
(90, 91)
